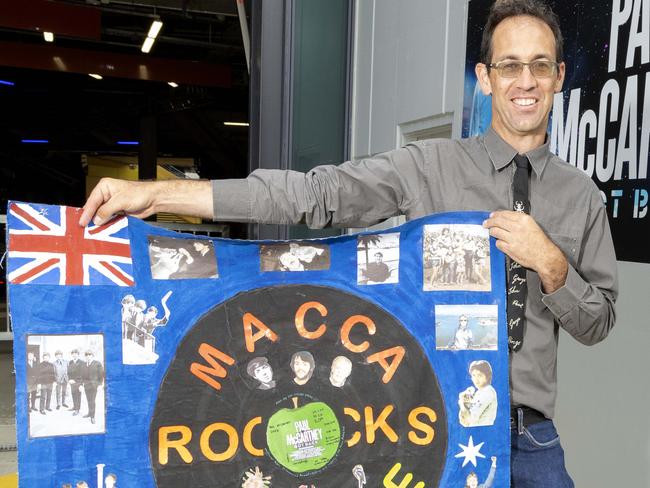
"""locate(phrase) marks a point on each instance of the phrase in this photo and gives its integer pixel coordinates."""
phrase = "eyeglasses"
(513, 69)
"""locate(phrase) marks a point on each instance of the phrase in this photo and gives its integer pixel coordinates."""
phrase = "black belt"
(530, 416)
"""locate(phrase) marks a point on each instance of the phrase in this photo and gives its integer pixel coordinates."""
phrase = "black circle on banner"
(231, 410)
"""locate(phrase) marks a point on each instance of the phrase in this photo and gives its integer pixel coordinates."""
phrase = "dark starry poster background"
(586, 27)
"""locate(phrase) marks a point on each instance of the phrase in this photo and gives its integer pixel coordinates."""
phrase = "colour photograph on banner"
(369, 360)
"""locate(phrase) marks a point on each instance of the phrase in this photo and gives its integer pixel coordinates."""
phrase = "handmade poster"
(150, 358)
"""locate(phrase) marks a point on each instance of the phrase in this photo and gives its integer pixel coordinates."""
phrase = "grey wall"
(408, 77)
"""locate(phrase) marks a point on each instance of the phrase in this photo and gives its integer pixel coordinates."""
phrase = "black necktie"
(517, 286)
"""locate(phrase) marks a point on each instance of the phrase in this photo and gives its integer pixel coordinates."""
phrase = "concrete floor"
(8, 463)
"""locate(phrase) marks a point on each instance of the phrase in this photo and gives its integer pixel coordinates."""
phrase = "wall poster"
(600, 123)
(151, 358)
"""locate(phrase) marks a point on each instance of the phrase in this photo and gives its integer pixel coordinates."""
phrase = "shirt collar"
(502, 154)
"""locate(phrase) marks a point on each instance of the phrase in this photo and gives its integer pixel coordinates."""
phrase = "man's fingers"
(500, 234)
(95, 200)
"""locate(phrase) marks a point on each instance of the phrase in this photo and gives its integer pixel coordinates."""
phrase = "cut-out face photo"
(340, 371)
(260, 369)
(478, 403)
(302, 365)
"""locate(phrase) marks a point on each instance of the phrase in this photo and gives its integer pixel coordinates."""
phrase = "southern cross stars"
(470, 452)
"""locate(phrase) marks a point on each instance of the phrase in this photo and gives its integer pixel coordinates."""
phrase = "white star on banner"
(470, 452)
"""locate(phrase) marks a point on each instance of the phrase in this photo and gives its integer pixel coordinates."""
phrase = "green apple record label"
(297, 385)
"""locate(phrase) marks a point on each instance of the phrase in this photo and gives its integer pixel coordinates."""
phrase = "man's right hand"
(143, 198)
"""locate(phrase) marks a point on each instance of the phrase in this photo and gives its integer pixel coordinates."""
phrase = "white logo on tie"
(519, 206)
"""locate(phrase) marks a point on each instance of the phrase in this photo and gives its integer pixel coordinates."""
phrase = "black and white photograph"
(182, 259)
(378, 259)
(140, 320)
(456, 257)
(466, 327)
(294, 256)
(65, 384)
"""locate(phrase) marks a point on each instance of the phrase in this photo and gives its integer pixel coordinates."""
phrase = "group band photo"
(65, 384)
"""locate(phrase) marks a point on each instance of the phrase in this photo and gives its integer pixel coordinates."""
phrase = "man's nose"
(526, 79)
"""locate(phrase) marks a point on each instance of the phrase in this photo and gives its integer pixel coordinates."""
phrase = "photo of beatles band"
(182, 259)
(302, 366)
(65, 384)
(466, 327)
(139, 322)
(294, 256)
(456, 257)
(378, 259)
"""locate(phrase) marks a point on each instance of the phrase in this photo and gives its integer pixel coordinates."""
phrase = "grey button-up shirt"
(442, 175)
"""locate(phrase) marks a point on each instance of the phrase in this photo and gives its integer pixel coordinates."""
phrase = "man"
(302, 364)
(61, 378)
(472, 479)
(32, 381)
(93, 377)
(260, 369)
(110, 481)
(377, 271)
(75, 376)
(564, 244)
(340, 371)
(46, 378)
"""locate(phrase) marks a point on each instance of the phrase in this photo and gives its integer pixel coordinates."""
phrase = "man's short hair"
(304, 356)
(503, 9)
(379, 254)
(112, 476)
(255, 363)
(74, 351)
(484, 367)
(89, 353)
(58, 353)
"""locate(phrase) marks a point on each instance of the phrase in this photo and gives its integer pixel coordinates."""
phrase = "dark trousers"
(31, 398)
(45, 397)
(76, 396)
(91, 392)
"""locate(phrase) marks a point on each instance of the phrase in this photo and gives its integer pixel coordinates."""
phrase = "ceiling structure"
(48, 94)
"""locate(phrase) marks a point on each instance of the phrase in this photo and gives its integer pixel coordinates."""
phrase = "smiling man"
(560, 250)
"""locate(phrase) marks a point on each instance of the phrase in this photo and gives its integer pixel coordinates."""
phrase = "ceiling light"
(96, 76)
(156, 25)
(34, 141)
(48, 36)
(147, 44)
(173, 84)
(8, 83)
(237, 124)
(128, 143)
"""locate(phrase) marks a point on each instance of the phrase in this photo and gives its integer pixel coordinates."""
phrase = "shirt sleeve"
(584, 306)
(353, 194)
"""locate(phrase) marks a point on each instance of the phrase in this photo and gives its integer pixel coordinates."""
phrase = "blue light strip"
(128, 143)
(8, 83)
(34, 141)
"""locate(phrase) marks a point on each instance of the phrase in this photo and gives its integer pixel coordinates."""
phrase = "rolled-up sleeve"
(353, 194)
(584, 306)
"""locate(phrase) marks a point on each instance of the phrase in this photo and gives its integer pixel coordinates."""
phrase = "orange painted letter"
(417, 424)
(389, 368)
(247, 437)
(207, 374)
(262, 331)
(356, 437)
(233, 442)
(300, 320)
(373, 425)
(165, 444)
(347, 327)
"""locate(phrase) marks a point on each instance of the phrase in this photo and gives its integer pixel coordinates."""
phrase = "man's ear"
(483, 77)
(560, 77)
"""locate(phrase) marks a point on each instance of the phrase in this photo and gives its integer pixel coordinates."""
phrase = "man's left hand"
(524, 241)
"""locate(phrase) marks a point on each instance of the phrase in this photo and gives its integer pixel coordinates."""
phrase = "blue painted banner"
(150, 358)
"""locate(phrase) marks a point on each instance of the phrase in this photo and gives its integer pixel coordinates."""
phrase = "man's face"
(30, 356)
(46, 357)
(301, 368)
(478, 378)
(75, 356)
(378, 258)
(520, 106)
(263, 374)
(472, 481)
(58, 356)
(462, 322)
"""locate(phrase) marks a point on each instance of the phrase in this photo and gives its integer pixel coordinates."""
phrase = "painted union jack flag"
(48, 247)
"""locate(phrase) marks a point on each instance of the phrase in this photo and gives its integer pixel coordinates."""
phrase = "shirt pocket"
(568, 244)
